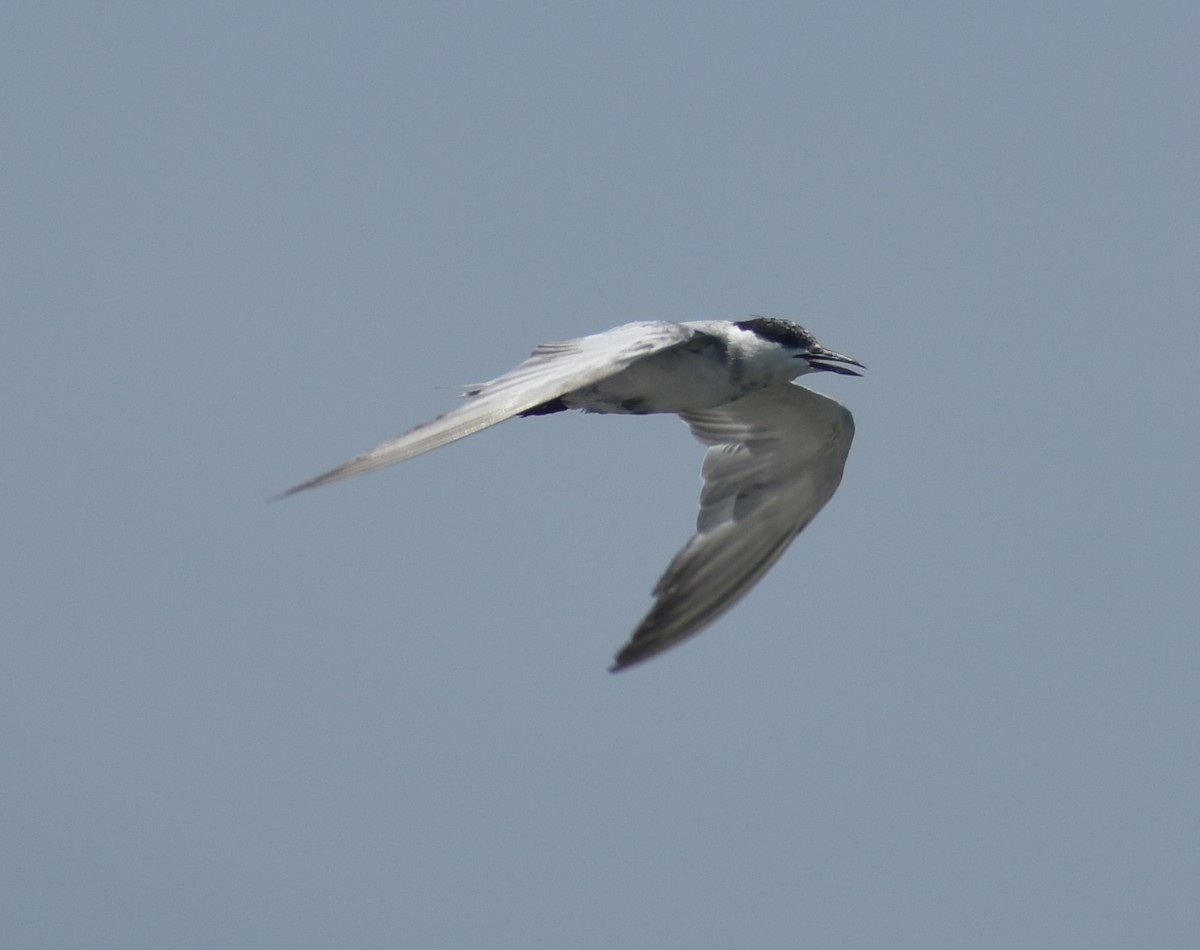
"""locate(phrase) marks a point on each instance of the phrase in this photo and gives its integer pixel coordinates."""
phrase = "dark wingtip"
(345, 470)
(633, 653)
(296, 489)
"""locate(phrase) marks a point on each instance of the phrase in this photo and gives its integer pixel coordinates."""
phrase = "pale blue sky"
(243, 241)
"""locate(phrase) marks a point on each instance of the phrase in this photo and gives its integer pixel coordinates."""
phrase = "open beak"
(824, 359)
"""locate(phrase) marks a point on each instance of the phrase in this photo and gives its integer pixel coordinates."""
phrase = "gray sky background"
(242, 242)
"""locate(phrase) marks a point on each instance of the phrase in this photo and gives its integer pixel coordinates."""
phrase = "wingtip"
(621, 660)
(333, 475)
(629, 655)
(296, 489)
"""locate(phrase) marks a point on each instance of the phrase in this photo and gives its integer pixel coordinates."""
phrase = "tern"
(775, 455)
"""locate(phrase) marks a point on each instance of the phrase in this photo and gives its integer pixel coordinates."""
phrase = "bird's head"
(803, 346)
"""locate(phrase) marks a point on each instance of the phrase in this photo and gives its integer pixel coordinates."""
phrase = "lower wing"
(776, 458)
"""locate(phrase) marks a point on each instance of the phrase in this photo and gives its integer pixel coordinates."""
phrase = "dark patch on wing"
(552, 405)
(779, 331)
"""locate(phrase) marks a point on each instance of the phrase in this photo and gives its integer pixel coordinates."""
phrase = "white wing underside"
(553, 370)
(776, 458)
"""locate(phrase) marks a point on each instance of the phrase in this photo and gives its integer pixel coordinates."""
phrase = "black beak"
(823, 359)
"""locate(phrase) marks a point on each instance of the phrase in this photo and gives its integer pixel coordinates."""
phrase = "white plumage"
(775, 457)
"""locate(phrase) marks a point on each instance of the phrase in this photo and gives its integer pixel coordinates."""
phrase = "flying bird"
(775, 457)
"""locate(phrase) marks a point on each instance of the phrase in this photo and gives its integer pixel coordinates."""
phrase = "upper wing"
(776, 459)
(553, 370)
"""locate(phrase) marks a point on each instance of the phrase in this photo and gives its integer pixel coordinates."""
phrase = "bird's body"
(714, 364)
(776, 449)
